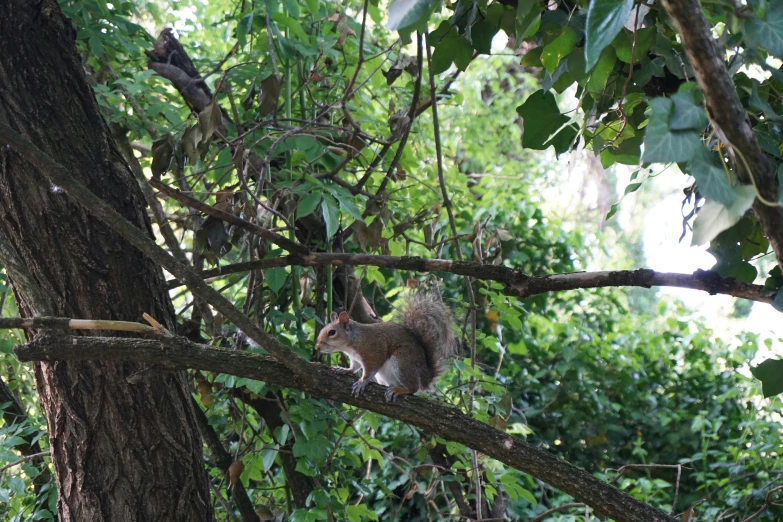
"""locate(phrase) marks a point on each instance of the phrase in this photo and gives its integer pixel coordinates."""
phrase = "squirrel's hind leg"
(395, 391)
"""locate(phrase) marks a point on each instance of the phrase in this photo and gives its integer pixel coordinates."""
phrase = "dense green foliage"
(582, 373)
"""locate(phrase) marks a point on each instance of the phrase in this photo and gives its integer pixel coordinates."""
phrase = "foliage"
(574, 372)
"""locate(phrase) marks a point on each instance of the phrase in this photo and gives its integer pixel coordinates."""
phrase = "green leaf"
(713, 218)
(623, 44)
(558, 48)
(740, 270)
(463, 53)
(770, 373)
(243, 28)
(632, 187)
(605, 18)
(96, 46)
(600, 74)
(661, 145)
(407, 13)
(756, 102)
(526, 15)
(359, 513)
(307, 205)
(541, 119)
(687, 114)
(315, 449)
(275, 278)
(768, 32)
(710, 177)
(563, 139)
(347, 204)
(331, 213)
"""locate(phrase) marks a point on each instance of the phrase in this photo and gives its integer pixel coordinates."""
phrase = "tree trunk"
(125, 445)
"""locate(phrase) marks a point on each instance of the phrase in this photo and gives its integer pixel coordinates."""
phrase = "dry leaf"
(270, 95)
(210, 119)
(235, 471)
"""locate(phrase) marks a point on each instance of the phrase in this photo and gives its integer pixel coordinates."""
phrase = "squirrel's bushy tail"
(425, 315)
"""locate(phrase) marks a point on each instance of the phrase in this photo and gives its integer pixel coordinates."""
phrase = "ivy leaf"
(710, 177)
(562, 140)
(558, 48)
(770, 373)
(740, 270)
(687, 115)
(713, 218)
(331, 213)
(406, 13)
(605, 18)
(768, 32)
(661, 144)
(756, 102)
(541, 119)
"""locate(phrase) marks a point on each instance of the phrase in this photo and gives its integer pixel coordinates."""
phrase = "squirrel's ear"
(333, 317)
(344, 318)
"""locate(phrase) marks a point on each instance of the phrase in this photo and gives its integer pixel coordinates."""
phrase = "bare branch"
(517, 283)
(25, 459)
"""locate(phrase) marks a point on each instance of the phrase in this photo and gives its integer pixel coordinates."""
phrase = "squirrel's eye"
(332, 332)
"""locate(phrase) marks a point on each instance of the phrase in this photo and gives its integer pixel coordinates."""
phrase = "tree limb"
(517, 283)
(319, 381)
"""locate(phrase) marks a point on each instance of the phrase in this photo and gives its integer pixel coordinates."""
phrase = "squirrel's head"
(334, 337)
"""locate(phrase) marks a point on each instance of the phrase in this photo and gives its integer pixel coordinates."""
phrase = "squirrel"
(407, 355)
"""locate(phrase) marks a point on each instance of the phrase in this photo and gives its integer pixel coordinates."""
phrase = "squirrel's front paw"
(358, 387)
(342, 371)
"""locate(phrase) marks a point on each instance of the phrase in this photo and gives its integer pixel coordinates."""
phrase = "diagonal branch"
(189, 201)
(726, 112)
(319, 381)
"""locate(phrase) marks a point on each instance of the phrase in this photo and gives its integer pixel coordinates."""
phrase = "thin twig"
(25, 459)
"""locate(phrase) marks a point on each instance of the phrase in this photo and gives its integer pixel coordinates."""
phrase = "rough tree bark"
(124, 440)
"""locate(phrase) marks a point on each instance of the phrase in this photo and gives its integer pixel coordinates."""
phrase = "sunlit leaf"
(605, 18)
(713, 218)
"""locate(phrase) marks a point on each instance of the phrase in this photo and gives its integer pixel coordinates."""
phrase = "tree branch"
(189, 201)
(317, 380)
(517, 283)
(726, 112)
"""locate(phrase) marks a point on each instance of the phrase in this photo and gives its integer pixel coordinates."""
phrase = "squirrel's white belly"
(388, 375)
